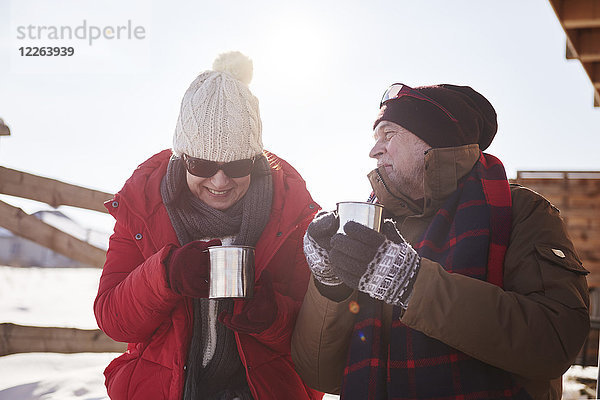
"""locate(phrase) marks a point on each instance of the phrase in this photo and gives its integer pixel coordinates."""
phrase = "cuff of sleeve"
(337, 293)
(279, 334)
(161, 286)
(420, 294)
(323, 302)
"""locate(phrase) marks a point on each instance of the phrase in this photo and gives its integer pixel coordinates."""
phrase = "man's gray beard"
(408, 182)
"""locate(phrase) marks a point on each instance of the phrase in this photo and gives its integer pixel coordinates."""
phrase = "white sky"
(320, 68)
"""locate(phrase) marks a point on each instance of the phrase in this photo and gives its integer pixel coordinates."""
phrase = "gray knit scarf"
(214, 369)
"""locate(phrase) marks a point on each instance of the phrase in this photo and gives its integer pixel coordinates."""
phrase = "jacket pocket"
(118, 373)
(563, 275)
(150, 380)
(132, 376)
(561, 257)
(277, 379)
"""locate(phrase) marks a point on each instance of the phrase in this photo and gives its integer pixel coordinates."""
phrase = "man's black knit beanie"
(475, 118)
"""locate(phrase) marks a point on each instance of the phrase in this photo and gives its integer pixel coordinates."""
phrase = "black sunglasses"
(206, 168)
(398, 90)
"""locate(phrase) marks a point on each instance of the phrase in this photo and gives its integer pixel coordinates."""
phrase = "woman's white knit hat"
(219, 118)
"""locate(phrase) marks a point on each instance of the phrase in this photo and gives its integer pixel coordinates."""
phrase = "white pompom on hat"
(219, 118)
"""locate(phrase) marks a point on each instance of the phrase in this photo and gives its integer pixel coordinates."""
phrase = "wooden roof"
(581, 21)
(4, 130)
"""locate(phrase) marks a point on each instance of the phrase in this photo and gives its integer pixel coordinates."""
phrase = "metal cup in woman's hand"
(231, 271)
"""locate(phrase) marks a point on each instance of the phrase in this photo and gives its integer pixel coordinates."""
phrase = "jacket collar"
(444, 167)
(292, 207)
(140, 204)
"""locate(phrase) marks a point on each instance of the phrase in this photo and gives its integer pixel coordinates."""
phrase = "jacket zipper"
(282, 239)
(380, 179)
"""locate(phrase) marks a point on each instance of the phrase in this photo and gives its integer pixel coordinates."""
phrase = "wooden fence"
(27, 339)
(54, 193)
(577, 195)
(22, 339)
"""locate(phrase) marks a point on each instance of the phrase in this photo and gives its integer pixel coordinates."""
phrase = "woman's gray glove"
(383, 265)
(317, 246)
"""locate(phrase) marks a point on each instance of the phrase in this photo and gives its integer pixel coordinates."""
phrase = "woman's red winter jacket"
(135, 305)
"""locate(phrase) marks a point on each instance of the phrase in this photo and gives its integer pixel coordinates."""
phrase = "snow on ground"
(46, 376)
(52, 376)
(61, 297)
(64, 297)
(580, 383)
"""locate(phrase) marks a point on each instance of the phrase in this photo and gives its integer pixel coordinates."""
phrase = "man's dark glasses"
(398, 90)
(206, 168)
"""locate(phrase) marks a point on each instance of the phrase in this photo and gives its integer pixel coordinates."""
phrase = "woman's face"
(219, 191)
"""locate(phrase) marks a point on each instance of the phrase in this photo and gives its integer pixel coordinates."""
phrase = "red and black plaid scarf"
(469, 236)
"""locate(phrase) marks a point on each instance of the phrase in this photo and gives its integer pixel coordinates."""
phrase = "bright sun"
(292, 57)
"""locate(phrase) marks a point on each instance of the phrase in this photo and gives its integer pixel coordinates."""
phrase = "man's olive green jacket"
(533, 327)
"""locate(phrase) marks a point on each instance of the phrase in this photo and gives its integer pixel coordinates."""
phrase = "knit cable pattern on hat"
(219, 118)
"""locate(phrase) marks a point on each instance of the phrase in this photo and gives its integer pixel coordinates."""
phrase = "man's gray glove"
(383, 265)
(317, 244)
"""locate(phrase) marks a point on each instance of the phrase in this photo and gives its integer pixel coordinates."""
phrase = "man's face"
(219, 191)
(401, 154)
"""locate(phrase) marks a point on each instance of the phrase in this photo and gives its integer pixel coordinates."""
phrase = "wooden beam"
(593, 71)
(50, 191)
(29, 227)
(28, 339)
(552, 174)
(579, 13)
(593, 279)
(4, 129)
(580, 19)
(586, 43)
(571, 52)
